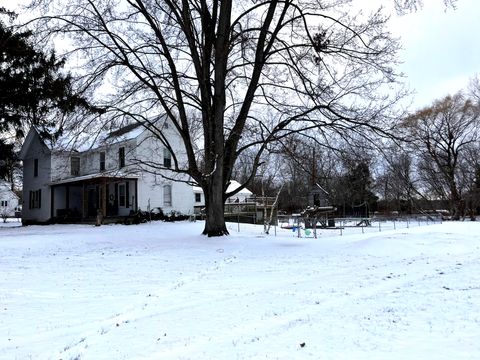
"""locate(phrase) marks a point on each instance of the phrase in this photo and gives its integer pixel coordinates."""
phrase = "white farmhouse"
(8, 200)
(112, 177)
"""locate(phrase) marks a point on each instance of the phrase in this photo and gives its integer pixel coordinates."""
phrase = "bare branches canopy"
(231, 76)
(444, 134)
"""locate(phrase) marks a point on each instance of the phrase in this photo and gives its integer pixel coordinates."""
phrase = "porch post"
(84, 201)
(104, 198)
(67, 197)
(136, 195)
(52, 201)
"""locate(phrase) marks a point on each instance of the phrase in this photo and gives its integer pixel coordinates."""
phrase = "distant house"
(8, 200)
(242, 196)
(108, 176)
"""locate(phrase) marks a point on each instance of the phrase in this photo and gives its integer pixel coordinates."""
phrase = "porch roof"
(112, 175)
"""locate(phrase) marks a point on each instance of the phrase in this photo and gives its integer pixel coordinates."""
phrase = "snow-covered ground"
(161, 291)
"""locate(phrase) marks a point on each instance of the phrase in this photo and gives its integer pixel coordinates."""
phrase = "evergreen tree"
(32, 85)
(33, 92)
(358, 189)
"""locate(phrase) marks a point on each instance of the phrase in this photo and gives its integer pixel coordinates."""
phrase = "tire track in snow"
(137, 312)
(367, 292)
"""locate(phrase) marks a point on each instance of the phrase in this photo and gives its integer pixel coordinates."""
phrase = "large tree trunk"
(458, 206)
(215, 205)
(456, 201)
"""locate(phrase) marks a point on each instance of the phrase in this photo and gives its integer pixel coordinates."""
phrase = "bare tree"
(474, 89)
(441, 134)
(252, 72)
(405, 6)
(306, 161)
(470, 172)
(397, 180)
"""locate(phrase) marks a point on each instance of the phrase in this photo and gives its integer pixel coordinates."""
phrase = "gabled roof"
(32, 134)
(99, 138)
(6, 187)
(233, 186)
(130, 131)
(81, 139)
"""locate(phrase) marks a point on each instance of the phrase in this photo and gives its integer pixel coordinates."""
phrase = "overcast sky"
(441, 50)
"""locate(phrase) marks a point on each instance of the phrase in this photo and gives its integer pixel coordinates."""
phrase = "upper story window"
(121, 157)
(198, 197)
(35, 167)
(75, 165)
(167, 158)
(102, 161)
(4, 203)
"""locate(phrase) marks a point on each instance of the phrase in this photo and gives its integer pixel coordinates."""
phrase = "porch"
(82, 198)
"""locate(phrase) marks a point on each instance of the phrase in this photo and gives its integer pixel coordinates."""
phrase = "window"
(167, 158)
(167, 195)
(102, 161)
(121, 195)
(75, 165)
(121, 157)
(4, 203)
(35, 167)
(35, 199)
(198, 197)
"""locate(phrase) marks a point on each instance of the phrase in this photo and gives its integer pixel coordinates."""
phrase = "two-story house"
(113, 176)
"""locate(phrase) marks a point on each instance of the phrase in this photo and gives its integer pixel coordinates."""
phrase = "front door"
(92, 201)
(123, 198)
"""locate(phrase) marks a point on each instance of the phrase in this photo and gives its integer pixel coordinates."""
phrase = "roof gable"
(5, 187)
(31, 138)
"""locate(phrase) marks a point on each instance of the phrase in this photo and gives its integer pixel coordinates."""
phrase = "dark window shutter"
(39, 198)
(30, 199)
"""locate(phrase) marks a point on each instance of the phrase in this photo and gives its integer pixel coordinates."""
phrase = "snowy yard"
(161, 291)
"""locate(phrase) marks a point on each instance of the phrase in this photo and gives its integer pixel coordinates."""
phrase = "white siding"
(8, 200)
(56, 166)
(151, 186)
(34, 183)
(60, 162)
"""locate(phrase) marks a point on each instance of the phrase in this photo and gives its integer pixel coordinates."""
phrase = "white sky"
(440, 52)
